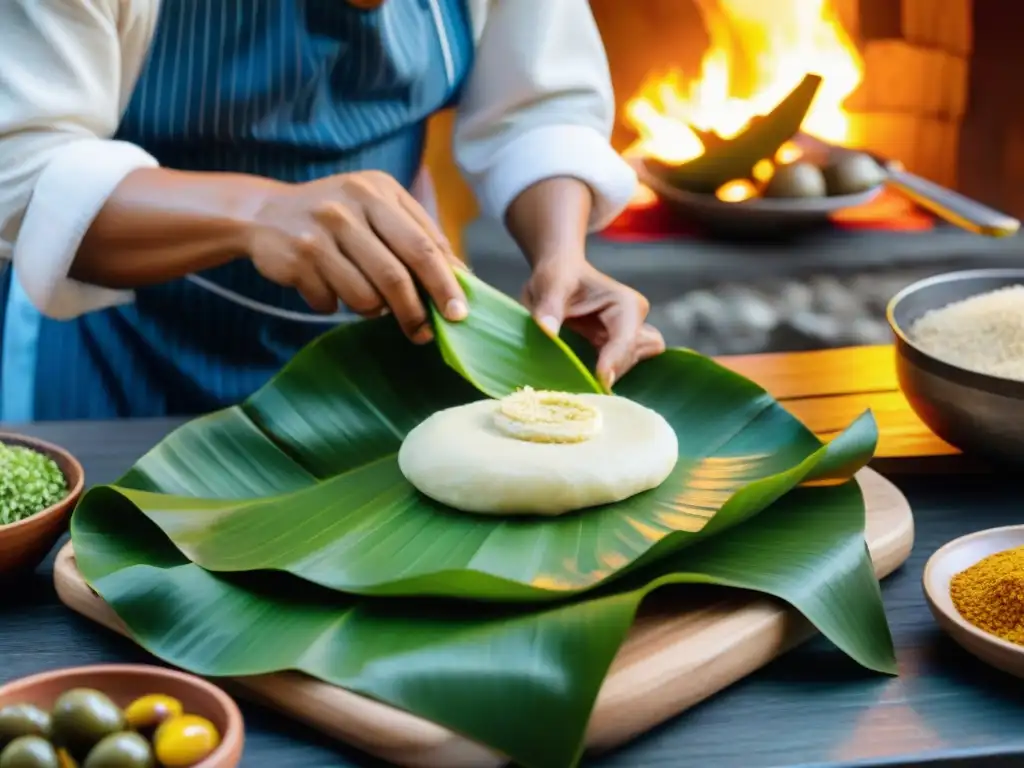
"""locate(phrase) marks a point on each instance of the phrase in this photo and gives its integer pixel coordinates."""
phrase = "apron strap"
(267, 309)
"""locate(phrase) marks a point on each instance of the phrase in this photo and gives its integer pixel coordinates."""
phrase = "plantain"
(727, 159)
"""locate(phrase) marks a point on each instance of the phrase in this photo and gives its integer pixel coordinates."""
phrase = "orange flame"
(768, 46)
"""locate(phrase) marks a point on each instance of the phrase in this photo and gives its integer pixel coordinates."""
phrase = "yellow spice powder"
(990, 594)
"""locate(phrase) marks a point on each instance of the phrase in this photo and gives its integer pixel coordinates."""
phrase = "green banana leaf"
(502, 345)
(520, 680)
(304, 478)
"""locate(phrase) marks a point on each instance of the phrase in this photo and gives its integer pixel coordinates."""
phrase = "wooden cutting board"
(674, 657)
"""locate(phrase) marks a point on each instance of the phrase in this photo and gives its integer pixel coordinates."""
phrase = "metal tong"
(951, 206)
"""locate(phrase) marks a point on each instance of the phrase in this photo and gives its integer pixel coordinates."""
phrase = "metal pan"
(754, 217)
(942, 202)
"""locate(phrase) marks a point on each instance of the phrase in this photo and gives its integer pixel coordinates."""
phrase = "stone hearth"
(827, 290)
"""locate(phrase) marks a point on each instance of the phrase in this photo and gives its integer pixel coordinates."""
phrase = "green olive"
(796, 180)
(22, 720)
(29, 752)
(120, 750)
(853, 173)
(81, 717)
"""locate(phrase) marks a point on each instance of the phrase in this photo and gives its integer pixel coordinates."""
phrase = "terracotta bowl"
(24, 544)
(959, 555)
(125, 682)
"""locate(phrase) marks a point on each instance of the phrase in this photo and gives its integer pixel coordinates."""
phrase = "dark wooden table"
(810, 708)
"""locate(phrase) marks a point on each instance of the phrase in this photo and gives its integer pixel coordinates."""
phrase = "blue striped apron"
(290, 89)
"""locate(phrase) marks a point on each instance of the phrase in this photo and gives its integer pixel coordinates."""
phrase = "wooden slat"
(824, 372)
(827, 415)
(901, 434)
(828, 389)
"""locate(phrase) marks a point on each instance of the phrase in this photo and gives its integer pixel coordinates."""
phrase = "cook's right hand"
(360, 238)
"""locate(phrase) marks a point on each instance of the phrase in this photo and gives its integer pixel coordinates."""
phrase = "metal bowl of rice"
(960, 358)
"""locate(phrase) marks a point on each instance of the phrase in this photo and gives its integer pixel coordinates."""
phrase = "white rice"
(984, 333)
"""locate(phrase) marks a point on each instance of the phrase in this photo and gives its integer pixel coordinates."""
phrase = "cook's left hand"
(610, 315)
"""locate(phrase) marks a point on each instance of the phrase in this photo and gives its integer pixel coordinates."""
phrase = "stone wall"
(916, 74)
(916, 57)
(992, 135)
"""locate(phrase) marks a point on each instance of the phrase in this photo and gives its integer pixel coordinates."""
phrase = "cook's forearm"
(549, 219)
(160, 225)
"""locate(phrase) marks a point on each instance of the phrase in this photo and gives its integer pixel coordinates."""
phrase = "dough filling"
(539, 453)
(547, 417)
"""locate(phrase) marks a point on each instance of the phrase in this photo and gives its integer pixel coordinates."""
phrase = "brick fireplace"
(941, 86)
(912, 102)
(938, 91)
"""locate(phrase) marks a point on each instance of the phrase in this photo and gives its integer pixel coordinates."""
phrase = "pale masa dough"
(461, 458)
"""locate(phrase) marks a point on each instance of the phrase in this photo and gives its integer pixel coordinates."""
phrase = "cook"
(192, 190)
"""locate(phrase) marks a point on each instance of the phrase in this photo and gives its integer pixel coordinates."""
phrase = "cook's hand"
(361, 238)
(607, 313)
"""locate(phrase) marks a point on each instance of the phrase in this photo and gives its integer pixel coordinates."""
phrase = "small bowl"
(951, 559)
(24, 544)
(124, 683)
(977, 413)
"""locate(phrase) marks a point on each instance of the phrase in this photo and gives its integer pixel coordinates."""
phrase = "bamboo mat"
(828, 389)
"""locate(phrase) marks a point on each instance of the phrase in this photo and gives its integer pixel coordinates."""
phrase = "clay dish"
(951, 559)
(24, 544)
(124, 683)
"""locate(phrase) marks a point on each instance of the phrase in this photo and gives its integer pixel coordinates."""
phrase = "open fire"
(759, 51)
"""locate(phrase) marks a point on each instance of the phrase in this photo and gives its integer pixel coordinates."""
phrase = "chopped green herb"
(29, 483)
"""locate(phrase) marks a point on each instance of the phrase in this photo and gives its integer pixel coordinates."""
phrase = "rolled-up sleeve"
(60, 82)
(539, 104)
